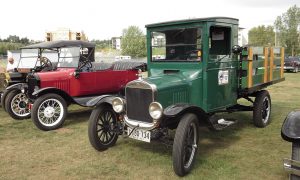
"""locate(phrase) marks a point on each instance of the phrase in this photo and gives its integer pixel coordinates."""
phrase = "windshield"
(29, 57)
(69, 57)
(183, 44)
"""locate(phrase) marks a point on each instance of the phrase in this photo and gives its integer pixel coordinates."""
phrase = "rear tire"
(296, 157)
(49, 112)
(262, 109)
(16, 105)
(102, 128)
(185, 144)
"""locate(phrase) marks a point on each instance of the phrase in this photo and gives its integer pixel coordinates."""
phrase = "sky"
(107, 18)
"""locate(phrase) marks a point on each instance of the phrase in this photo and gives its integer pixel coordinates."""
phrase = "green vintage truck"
(196, 70)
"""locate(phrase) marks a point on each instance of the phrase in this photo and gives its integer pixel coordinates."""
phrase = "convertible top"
(60, 44)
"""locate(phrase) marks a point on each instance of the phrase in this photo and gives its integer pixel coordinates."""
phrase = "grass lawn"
(239, 152)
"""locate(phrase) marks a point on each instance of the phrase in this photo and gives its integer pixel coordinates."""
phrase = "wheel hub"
(49, 112)
(22, 105)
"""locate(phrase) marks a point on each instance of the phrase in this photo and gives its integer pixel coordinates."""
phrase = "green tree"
(24, 40)
(4, 46)
(262, 36)
(287, 30)
(102, 44)
(133, 42)
(13, 39)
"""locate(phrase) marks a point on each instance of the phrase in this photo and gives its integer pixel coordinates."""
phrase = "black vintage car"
(10, 92)
(292, 64)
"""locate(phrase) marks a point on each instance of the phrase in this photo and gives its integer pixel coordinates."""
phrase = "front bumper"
(140, 125)
(288, 68)
(292, 166)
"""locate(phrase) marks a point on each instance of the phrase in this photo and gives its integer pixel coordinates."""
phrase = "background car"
(292, 64)
(13, 100)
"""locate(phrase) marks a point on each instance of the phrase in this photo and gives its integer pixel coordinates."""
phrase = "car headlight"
(155, 110)
(118, 105)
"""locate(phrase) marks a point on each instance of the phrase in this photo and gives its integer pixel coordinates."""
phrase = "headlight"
(118, 105)
(155, 110)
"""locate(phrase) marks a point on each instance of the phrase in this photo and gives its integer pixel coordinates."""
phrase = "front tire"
(103, 129)
(49, 112)
(262, 109)
(16, 105)
(185, 144)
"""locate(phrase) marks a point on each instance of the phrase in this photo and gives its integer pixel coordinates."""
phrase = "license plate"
(139, 134)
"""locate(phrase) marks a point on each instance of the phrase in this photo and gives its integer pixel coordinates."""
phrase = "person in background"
(10, 64)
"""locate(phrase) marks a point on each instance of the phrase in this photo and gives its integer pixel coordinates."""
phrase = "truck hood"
(174, 87)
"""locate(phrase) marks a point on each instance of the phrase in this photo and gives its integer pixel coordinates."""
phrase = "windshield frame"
(59, 56)
(198, 27)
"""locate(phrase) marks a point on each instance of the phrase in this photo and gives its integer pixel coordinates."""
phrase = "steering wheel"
(45, 63)
(85, 64)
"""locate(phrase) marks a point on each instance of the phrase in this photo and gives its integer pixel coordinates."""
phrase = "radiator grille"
(138, 101)
(32, 82)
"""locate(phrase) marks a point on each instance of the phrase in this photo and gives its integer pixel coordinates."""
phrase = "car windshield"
(29, 57)
(291, 59)
(69, 57)
(184, 44)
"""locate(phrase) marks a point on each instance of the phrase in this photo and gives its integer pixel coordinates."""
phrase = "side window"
(158, 45)
(219, 42)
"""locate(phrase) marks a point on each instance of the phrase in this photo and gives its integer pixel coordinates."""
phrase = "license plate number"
(139, 134)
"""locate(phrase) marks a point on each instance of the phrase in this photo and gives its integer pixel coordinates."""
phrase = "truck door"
(221, 82)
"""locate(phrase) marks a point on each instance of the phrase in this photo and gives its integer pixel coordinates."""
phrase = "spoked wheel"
(185, 144)
(49, 112)
(103, 129)
(16, 105)
(262, 109)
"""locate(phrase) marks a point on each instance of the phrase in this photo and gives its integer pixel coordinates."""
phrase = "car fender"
(177, 110)
(100, 99)
(290, 130)
(17, 86)
(54, 90)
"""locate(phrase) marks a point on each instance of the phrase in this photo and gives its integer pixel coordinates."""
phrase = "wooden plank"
(266, 53)
(282, 62)
(271, 63)
(250, 68)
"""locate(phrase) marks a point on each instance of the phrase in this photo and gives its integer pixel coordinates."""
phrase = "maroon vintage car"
(75, 78)
(292, 64)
